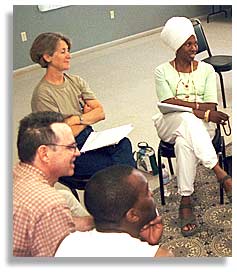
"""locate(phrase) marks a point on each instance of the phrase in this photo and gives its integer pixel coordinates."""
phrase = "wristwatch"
(81, 119)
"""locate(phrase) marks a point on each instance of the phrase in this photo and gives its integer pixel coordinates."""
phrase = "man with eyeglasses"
(41, 217)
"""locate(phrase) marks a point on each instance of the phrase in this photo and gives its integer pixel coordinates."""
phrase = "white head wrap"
(176, 32)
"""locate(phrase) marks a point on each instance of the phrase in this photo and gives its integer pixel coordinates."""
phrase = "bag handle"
(143, 145)
(229, 128)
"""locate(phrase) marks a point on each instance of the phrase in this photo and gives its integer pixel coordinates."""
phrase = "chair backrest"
(202, 41)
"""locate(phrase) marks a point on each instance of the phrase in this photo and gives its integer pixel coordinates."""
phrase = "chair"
(221, 63)
(167, 150)
(221, 10)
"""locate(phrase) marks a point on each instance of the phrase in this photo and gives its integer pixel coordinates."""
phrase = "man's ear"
(132, 215)
(42, 153)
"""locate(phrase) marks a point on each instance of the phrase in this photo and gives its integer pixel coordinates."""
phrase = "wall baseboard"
(92, 49)
(118, 41)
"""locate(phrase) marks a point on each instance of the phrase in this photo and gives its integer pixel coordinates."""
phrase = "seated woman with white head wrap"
(187, 82)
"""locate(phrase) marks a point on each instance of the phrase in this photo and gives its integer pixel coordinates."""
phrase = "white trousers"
(193, 144)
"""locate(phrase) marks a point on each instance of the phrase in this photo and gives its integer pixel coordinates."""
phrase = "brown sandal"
(190, 220)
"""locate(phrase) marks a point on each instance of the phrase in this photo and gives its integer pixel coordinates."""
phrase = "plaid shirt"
(41, 217)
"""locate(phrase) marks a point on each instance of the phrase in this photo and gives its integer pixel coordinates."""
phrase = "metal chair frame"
(221, 10)
(221, 63)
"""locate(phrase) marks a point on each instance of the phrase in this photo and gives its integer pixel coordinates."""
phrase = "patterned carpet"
(214, 236)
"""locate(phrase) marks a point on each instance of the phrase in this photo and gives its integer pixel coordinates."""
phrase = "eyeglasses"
(70, 147)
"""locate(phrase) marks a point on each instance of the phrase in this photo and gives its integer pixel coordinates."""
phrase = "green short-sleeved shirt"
(67, 98)
(201, 82)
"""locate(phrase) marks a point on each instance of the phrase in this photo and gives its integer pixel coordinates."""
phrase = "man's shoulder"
(114, 245)
(32, 190)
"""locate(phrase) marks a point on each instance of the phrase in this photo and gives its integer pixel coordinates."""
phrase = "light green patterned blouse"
(199, 86)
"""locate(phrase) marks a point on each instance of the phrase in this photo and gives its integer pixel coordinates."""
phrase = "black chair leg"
(171, 166)
(222, 89)
(221, 156)
(73, 184)
(162, 193)
(74, 192)
(221, 194)
(221, 185)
